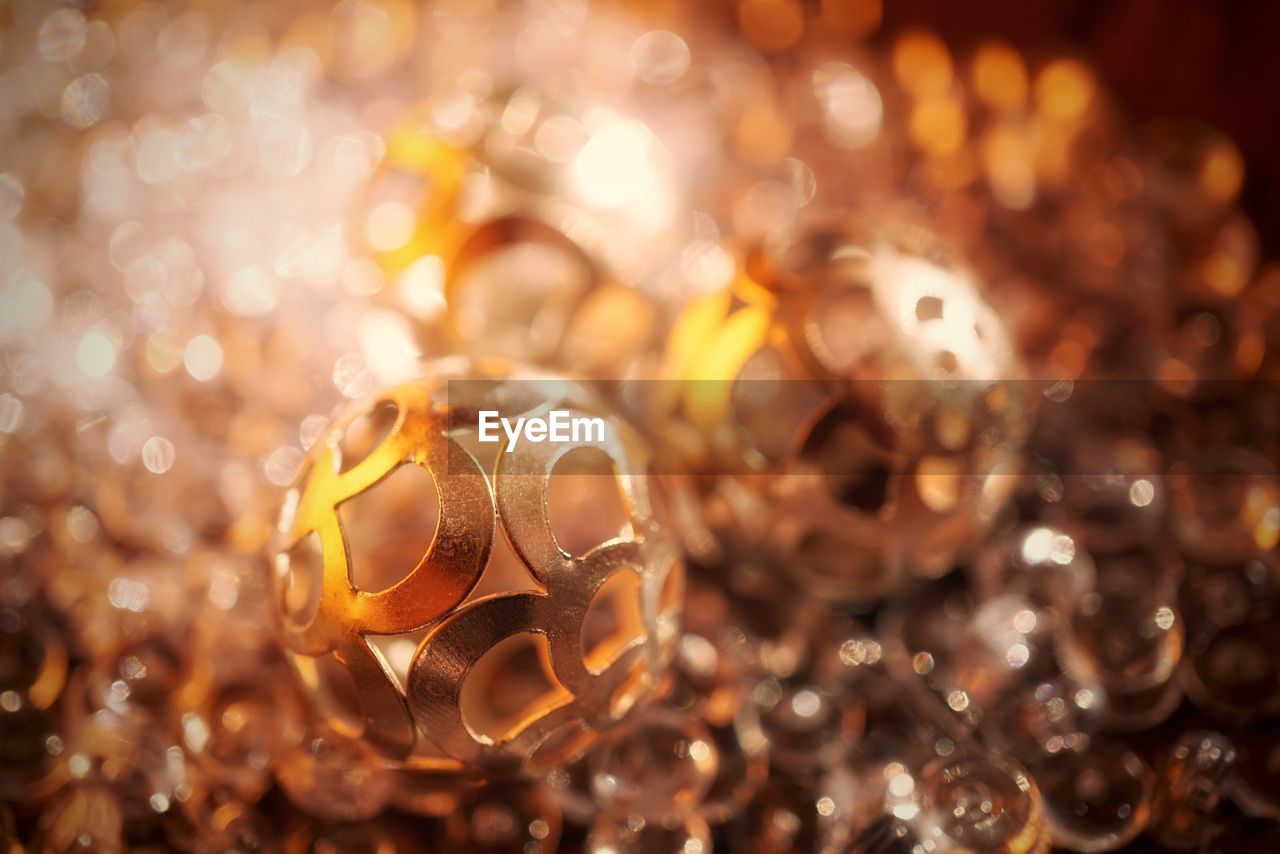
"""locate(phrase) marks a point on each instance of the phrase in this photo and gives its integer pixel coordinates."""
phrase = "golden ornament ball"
(465, 600)
(865, 398)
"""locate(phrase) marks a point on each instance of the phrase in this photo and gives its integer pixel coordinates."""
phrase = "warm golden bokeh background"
(1210, 60)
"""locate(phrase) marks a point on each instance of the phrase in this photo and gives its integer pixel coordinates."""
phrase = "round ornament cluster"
(579, 426)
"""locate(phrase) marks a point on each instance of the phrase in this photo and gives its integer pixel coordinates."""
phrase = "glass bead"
(1113, 497)
(1097, 796)
(1045, 564)
(966, 652)
(1046, 717)
(502, 818)
(1008, 639)
(1256, 787)
(334, 777)
(708, 681)
(979, 803)
(866, 806)
(239, 730)
(613, 833)
(906, 730)
(921, 637)
(1233, 673)
(1230, 594)
(146, 673)
(742, 766)
(1224, 505)
(1189, 789)
(769, 624)
(660, 768)
(130, 599)
(782, 818)
(806, 725)
(1141, 708)
(887, 835)
(1128, 636)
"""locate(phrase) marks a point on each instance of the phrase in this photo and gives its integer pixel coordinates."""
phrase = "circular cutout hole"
(928, 308)
(850, 445)
(333, 690)
(365, 433)
(390, 527)
(525, 322)
(614, 621)
(585, 506)
(505, 572)
(299, 580)
(396, 652)
(947, 363)
(510, 686)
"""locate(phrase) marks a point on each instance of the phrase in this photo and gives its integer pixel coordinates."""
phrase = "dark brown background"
(1217, 61)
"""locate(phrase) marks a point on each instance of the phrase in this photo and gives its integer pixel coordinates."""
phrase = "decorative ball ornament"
(580, 201)
(864, 377)
(521, 629)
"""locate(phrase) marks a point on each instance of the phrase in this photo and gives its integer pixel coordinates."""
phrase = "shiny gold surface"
(417, 712)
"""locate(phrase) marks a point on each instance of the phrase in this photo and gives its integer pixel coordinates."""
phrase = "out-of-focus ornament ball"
(465, 602)
(867, 396)
(578, 201)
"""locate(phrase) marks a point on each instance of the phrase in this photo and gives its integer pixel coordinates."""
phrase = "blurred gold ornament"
(865, 378)
(576, 200)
